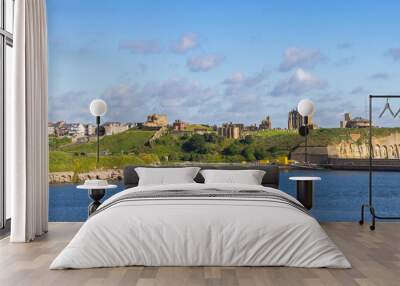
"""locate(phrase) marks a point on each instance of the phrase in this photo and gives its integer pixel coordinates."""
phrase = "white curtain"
(27, 152)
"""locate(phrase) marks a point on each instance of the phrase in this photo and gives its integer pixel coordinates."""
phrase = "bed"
(201, 224)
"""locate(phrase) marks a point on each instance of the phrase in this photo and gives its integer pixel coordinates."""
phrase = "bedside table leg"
(96, 196)
(305, 193)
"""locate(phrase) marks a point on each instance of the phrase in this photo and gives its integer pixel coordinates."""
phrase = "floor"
(375, 257)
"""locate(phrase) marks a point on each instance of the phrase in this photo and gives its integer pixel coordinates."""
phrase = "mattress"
(201, 225)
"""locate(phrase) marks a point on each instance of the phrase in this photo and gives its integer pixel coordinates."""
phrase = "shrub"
(233, 149)
(248, 153)
(260, 153)
(211, 137)
(247, 140)
(196, 144)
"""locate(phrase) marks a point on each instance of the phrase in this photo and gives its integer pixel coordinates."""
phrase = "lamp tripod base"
(96, 195)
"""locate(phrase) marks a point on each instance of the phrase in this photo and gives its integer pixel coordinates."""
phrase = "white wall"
(9, 60)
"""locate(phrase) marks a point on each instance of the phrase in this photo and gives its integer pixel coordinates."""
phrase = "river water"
(337, 197)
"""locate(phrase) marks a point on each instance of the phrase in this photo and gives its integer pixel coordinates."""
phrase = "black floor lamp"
(306, 108)
(98, 107)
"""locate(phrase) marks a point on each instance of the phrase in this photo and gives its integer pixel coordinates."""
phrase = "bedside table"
(305, 189)
(96, 193)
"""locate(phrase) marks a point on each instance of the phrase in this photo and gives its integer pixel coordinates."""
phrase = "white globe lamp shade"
(98, 107)
(306, 107)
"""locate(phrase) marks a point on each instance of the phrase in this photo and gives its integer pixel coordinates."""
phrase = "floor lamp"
(98, 107)
(306, 109)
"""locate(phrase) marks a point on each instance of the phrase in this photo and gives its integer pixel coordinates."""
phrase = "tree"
(211, 137)
(196, 144)
(248, 140)
(173, 156)
(273, 149)
(260, 153)
(233, 149)
(248, 153)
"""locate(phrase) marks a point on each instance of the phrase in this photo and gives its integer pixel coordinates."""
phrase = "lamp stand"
(306, 141)
(305, 150)
(303, 131)
(98, 137)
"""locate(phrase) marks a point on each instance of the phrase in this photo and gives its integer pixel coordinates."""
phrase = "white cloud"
(144, 47)
(72, 106)
(186, 42)
(245, 96)
(204, 63)
(179, 98)
(345, 61)
(393, 53)
(344, 45)
(297, 57)
(235, 78)
(380, 76)
(239, 79)
(359, 90)
(299, 83)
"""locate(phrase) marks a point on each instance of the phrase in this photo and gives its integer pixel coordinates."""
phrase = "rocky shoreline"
(71, 177)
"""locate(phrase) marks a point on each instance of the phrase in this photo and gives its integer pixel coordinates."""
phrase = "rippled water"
(338, 196)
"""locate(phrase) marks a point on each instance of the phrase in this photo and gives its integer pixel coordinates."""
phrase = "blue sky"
(220, 61)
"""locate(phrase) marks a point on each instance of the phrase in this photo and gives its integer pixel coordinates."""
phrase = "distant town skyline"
(221, 61)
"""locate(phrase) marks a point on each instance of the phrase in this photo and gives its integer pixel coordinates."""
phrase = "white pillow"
(248, 177)
(166, 176)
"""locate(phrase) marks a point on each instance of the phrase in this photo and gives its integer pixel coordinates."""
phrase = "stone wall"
(156, 120)
(158, 134)
(387, 147)
(69, 177)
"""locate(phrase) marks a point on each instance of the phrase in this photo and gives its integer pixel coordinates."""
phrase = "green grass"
(166, 146)
(55, 142)
(326, 136)
(64, 161)
(192, 127)
(273, 132)
(129, 148)
(125, 142)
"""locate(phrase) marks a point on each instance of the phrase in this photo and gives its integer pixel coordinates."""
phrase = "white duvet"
(200, 231)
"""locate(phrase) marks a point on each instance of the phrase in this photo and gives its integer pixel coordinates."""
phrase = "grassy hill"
(129, 147)
(125, 142)
(192, 127)
(64, 161)
(122, 149)
(326, 136)
(55, 142)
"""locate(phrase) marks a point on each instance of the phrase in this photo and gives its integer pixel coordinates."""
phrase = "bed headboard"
(270, 179)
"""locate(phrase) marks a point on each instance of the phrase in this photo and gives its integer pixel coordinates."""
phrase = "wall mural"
(179, 90)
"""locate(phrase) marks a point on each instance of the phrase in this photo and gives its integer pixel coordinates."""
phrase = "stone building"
(347, 118)
(356, 122)
(61, 128)
(76, 130)
(200, 130)
(156, 120)
(51, 130)
(295, 120)
(112, 128)
(179, 125)
(230, 130)
(251, 128)
(131, 125)
(266, 124)
(90, 130)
